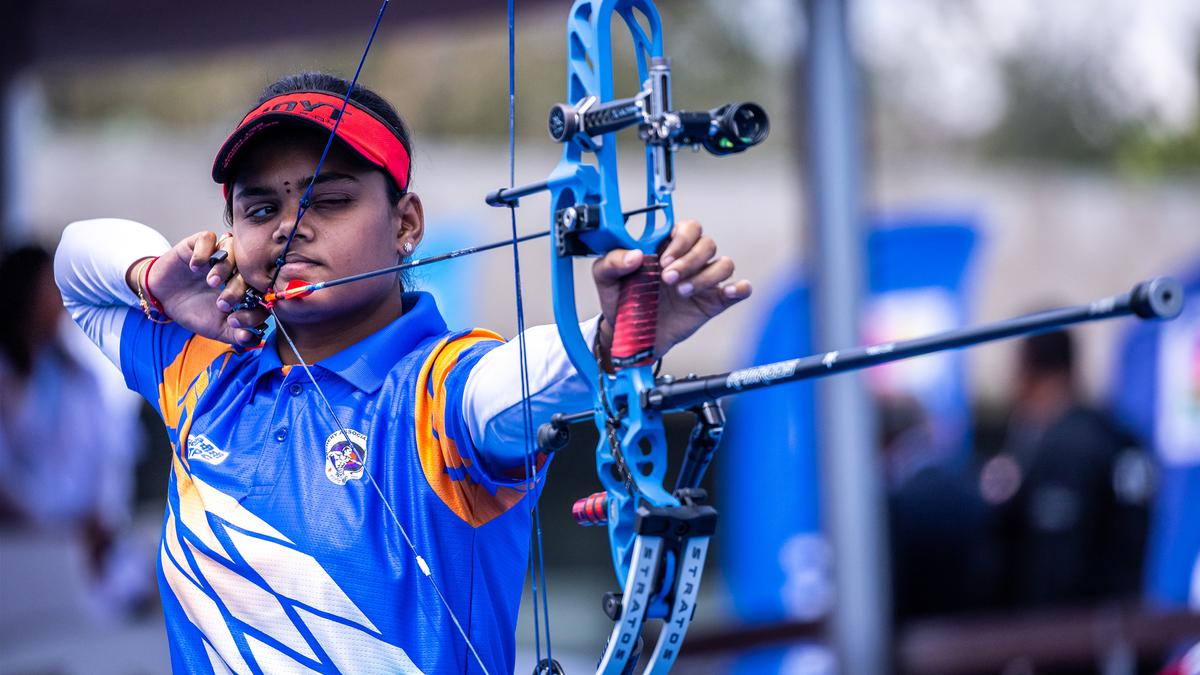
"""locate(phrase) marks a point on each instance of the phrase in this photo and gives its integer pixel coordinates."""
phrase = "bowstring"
(302, 208)
(306, 198)
(421, 564)
(537, 562)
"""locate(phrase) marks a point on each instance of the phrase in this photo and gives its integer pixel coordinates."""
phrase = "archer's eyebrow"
(253, 191)
(329, 177)
(266, 191)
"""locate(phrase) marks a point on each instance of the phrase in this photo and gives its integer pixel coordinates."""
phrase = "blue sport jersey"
(277, 553)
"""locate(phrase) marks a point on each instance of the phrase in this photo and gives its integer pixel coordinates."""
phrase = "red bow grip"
(636, 327)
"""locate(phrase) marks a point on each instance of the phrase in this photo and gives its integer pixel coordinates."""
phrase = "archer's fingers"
(692, 262)
(249, 337)
(683, 237)
(616, 264)
(736, 292)
(713, 274)
(203, 245)
(222, 265)
(232, 295)
(248, 325)
(725, 294)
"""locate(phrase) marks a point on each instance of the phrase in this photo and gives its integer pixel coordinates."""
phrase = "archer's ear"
(409, 216)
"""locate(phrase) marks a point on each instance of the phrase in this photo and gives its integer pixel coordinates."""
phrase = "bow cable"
(424, 567)
(305, 202)
(306, 198)
(537, 561)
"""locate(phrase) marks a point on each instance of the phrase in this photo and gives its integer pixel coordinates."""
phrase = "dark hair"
(1048, 353)
(20, 272)
(314, 81)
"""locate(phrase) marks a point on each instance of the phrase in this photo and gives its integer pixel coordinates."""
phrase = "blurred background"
(1024, 507)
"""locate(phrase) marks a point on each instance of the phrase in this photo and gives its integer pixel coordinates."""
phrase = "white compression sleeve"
(90, 266)
(492, 405)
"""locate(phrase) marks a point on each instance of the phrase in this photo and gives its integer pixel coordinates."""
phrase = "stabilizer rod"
(1159, 298)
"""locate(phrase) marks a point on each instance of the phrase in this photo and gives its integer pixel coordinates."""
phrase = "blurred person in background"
(938, 524)
(1073, 488)
(68, 436)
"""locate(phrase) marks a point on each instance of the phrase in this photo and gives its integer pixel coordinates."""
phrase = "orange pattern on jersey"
(444, 467)
(184, 381)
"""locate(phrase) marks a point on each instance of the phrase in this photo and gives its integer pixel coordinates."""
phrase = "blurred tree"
(1052, 114)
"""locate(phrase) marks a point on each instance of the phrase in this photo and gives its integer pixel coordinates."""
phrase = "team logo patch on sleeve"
(345, 459)
(199, 447)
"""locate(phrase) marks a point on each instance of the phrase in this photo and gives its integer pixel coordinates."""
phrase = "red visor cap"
(360, 129)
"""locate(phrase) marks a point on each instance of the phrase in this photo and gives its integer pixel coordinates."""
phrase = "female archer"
(347, 487)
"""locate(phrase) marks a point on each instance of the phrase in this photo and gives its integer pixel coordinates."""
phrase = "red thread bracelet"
(150, 299)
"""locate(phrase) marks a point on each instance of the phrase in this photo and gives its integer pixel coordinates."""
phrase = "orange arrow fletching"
(296, 289)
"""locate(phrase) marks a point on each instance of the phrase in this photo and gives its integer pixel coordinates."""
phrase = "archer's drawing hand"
(696, 285)
(203, 298)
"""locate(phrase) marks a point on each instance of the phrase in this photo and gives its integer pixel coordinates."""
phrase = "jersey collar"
(367, 363)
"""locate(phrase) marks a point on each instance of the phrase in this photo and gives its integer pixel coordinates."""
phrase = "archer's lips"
(295, 264)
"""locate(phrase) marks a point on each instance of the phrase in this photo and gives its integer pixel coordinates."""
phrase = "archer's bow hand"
(696, 285)
(199, 296)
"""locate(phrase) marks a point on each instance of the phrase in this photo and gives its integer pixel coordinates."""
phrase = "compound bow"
(659, 537)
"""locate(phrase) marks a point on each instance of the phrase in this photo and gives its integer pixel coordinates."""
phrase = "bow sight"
(725, 130)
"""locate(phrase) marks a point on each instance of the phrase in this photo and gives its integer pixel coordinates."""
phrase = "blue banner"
(1156, 393)
(776, 562)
